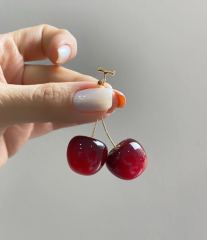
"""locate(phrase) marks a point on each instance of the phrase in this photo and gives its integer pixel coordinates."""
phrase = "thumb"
(68, 102)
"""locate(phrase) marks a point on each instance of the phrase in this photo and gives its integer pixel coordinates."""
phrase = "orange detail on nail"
(121, 98)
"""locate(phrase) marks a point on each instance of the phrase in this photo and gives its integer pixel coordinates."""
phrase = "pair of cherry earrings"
(87, 155)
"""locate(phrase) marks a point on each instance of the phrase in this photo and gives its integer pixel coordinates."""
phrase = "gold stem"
(101, 82)
(107, 132)
(94, 129)
(104, 80)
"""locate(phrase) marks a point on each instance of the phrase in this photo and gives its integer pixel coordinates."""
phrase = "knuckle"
(45, 26)
(64, 31)
(50, 95)
(7, 46)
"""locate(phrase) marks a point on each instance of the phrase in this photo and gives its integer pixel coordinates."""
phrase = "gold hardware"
(94, 129)
(105, 72)
(108, 134)
(101, 82)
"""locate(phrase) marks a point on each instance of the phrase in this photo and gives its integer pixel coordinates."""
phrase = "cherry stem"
(94, 129)
(107, 133)
(101, 82)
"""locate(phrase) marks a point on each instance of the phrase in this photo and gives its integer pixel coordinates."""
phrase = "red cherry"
(128, 160)
(86, 155)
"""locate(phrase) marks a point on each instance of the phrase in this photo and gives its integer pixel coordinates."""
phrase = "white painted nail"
(93, 99)
(63, 53)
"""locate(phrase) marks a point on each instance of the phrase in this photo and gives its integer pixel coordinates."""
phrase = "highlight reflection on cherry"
(128, 160)
(86, 155)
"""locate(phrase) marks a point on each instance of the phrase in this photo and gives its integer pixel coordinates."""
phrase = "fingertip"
(115, 103)
(63, 54)
(118, 101)
(121, 99)
(61, 49)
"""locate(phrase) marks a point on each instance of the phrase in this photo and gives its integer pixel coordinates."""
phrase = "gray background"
(159, 51)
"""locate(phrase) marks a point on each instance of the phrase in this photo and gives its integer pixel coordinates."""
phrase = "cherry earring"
(87, 155)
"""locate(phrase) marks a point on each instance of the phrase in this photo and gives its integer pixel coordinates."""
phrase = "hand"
(36, 99)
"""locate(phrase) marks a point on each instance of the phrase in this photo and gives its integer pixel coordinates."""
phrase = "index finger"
(45, 41)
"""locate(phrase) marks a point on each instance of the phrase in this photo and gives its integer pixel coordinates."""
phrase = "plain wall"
(159, 51)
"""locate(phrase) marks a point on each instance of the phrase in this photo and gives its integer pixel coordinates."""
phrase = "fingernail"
(121, 99)
(115, 103)
(63, 53)
(93, 99)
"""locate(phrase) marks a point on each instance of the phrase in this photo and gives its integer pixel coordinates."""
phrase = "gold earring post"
(105, 72)
(101, 82)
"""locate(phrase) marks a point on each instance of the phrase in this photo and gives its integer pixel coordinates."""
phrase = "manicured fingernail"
(63, 53)
(121, 99)
(115, 103)
(93, 99)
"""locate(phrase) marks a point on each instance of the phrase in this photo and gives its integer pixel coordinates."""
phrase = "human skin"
(37, 99)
